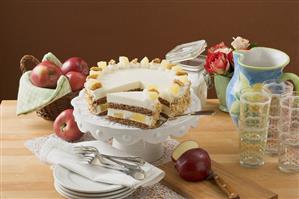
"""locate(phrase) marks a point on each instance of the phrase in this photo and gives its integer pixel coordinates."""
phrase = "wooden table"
(24, 176)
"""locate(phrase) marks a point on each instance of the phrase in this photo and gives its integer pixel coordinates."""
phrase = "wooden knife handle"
(226, 188)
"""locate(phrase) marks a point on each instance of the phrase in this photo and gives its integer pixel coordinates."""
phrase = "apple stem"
(62, 127)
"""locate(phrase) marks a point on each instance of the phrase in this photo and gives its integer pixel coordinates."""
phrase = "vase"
(221, 83)
(252, 68)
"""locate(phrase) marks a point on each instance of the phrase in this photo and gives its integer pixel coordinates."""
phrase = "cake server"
(203, 112)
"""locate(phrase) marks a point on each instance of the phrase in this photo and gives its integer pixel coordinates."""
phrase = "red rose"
(217, 63)
(222, 48)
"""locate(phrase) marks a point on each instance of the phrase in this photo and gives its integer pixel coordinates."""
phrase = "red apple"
(66, 127)
(75, 64)
(182, 148)
(76, 80)
(194, 165)
(45, 75)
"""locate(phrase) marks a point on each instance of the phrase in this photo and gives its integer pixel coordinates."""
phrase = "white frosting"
(154, 66)
(148, 120)
(118, 78)
(127, 79)
(117, 87)
(138, 99)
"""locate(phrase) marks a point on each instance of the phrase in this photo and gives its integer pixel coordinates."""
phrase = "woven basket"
(51, 111)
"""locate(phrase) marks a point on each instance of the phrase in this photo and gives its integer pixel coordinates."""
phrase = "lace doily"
(157, 191)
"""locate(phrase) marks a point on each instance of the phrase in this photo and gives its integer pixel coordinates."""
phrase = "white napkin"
(60, 152)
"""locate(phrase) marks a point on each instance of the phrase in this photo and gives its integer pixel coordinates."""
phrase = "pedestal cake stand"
(145, 143)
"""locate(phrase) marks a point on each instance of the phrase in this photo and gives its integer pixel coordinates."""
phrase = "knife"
(226, 188)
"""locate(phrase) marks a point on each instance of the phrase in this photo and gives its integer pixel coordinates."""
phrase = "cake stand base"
(145, 143)
(147, 151)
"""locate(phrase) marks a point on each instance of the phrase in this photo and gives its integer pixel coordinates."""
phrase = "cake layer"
(129, 115)
(133, 99)
(98, 107)
(164, 102)
(142, 107)
(178, 106)
(129, 122)
(116, 86)
(130, 108)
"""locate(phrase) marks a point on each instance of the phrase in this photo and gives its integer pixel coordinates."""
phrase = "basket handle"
(28, 62)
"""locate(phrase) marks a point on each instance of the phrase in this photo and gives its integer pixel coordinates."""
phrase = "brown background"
(100, 30)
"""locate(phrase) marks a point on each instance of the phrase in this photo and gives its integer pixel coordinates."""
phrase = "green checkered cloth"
(31, 98)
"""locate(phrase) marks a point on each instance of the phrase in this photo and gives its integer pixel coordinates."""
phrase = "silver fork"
(90, 149)
(95, 159)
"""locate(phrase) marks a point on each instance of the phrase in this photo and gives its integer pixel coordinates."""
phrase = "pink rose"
(221, 47)
(217, 63)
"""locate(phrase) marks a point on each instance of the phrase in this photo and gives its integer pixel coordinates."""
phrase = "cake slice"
(136, 108)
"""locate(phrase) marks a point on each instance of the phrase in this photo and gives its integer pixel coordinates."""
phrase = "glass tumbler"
(253, 127)
(276, 89)
(288, 155)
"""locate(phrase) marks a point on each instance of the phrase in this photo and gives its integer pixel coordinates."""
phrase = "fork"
(90, 149)
(95, 159)
(93, 150)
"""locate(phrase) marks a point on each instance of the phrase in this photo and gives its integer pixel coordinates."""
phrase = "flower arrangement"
(219, 60)
(220, 63)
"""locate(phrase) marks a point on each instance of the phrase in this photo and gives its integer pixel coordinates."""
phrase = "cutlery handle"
(99, 162)
(133, 159)
(123, 164)
(136, 173)
(207, 112)
(226, 188)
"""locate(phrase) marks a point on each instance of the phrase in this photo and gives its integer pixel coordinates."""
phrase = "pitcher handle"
(293, 78)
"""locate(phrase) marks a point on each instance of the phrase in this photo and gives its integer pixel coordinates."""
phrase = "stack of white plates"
(72, 185)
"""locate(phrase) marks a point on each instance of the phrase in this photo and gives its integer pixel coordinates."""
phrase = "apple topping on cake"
(93, 84)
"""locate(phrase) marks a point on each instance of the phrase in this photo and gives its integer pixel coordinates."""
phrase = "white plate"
(117, 196)
(82, 194)
(79, 183)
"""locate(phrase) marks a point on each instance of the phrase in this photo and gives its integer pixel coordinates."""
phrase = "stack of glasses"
(269, 122)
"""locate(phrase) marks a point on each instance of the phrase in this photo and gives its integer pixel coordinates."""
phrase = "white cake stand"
(145, 143)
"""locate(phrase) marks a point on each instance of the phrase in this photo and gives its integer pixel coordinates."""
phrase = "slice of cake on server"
(141, 109)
